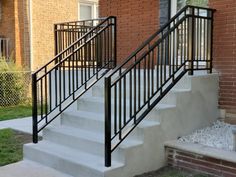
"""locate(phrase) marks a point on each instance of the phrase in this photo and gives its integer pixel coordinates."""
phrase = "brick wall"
(44, 15)
(200, 163)
(15, 27)
(137, 20)
(225, 51)
(7, 23)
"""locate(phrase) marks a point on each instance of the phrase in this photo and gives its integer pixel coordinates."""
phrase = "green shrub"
(12, 89)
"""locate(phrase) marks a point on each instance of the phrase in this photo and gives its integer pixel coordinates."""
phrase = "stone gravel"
(219, 135)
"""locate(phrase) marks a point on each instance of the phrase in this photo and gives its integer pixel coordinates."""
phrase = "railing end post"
(115, 42)
(34, 108)
(108, 122)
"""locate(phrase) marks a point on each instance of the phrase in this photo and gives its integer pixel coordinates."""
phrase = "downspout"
(169, 10)
(30, 33)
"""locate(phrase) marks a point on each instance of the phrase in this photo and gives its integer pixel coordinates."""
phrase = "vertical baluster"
(152, 69)
(135, 92)
(144, 80)
(64, 79)
(120, 111)
(158, 65)
(115, 108)
(124, 100)
(85, 63)
(200, 38)
(164, 57)
(89, 58)
(181, 43)
(41, 100)
(148, 84)
(204, 39)
(60, 86)
(50, 90)
(130, 94)
(46, 97)
(81, 56)
(73, 72)
(69, 73)
(139, 85)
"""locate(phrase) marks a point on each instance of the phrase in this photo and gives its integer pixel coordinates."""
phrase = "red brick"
(137, 20)
(224, 53)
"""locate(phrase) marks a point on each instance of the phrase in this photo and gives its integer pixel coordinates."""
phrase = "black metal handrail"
(182, 45)
(69, 75)
(68, 32)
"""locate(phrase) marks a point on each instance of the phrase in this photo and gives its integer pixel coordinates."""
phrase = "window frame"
(92, 3)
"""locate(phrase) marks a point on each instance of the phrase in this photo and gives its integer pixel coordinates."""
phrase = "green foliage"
(13, 112)
(11, 83)
(10, 147)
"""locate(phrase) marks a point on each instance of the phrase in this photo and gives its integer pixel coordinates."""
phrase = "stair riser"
(98, 91)
(60, 164)
(85, 145)
(82, 123)
(92, 147)
(86, 123)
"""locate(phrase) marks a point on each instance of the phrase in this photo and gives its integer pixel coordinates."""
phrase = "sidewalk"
(22, 124)
(29, 169)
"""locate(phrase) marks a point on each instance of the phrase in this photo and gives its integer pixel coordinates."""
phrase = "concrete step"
(86, 141)
(96, 105)
(83, 120)
(98, 91)
(68, 160)
(94, 122)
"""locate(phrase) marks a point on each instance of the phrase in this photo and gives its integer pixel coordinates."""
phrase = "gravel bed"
(219, 135)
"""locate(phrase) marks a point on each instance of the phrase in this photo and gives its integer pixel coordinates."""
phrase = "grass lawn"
(11, 146)
(14, 112)
(172, 172)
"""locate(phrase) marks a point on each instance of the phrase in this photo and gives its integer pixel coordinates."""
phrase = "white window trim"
(93, 3)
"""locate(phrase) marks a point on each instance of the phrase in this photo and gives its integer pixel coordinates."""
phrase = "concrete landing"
(28, 168)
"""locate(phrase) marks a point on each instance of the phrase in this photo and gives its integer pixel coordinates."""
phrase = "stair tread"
(79, 157)
(180, 90)
(91, 136)
(101, 100)
(87, 114)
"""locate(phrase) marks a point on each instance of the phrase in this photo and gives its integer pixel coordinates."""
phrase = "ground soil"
(172, 172)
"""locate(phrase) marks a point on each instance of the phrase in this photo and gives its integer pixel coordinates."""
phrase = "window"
(88, 10)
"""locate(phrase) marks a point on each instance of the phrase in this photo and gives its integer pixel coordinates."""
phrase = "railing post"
(107, 122)
(55, 42)
(115, 42)
(210, 41)
(34, 108)
(191, 37)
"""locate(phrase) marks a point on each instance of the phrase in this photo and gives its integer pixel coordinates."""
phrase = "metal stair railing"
(182, 45)
(70, 74)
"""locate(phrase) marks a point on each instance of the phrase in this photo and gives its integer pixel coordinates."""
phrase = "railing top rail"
(65, 23)
(72, 25)
(142, 46)
(70, 46)
(66, 58)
